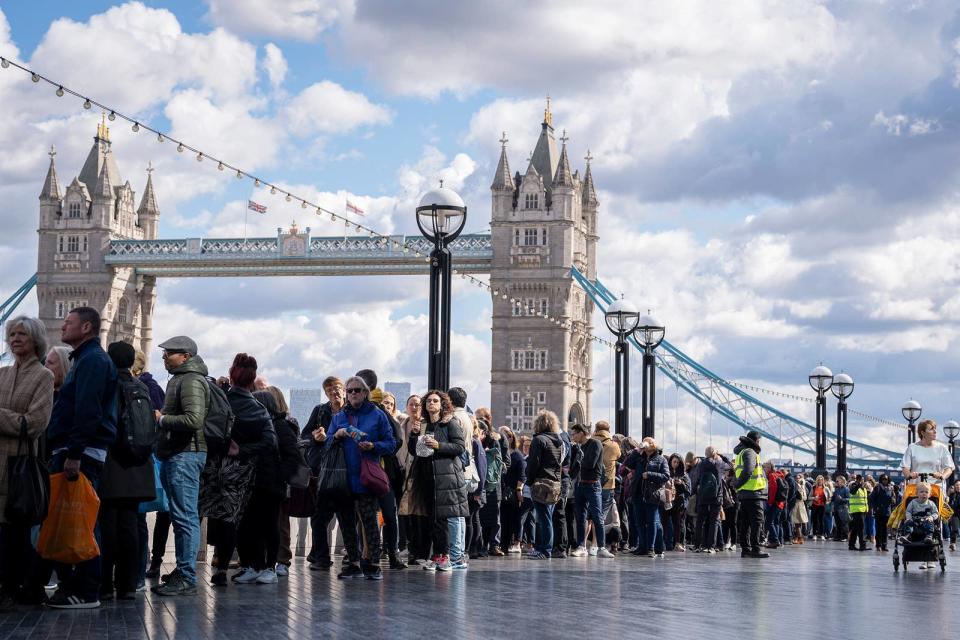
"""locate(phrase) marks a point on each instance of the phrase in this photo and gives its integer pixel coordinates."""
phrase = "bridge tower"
(542, 223)
(74, 234)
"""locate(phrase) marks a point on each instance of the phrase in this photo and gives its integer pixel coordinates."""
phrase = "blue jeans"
(81, 579)
(588, 500)
(456, 532)
(652, 538)
(180, 477)
(635, 523)
(774, 530)
(543, 515)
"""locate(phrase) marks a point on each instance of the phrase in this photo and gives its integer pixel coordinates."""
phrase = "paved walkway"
(818, 590)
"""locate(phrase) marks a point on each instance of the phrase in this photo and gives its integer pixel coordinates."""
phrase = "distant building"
(302, 402)
(400, 390)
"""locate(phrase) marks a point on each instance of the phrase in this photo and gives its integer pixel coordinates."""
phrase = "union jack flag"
(253, 206)
(354, 208)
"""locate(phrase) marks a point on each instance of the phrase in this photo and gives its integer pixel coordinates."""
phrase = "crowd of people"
(430, 485)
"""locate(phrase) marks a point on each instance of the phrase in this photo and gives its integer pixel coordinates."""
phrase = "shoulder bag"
(28, 484)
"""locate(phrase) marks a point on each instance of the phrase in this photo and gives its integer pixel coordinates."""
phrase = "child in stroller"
(922, 517)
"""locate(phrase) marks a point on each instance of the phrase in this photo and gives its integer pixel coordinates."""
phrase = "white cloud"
(297, 19)
(327, 108)
(274, 63)
(899, 124)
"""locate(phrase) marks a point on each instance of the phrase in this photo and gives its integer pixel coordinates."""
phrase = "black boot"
(396, 563)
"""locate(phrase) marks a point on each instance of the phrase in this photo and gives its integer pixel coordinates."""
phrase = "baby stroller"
(920, 551)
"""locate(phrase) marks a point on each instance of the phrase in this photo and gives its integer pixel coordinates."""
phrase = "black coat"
(449, 485)
(120, 483)
(252, 427)
(546, 453)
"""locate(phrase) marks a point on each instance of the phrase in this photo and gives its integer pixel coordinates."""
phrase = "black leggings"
(258, 536)
(817, 519)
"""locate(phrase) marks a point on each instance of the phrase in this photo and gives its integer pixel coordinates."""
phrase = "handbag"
(332, 475)
(28, 484)
(373, 477)
(303, 502)
(160, 502)
(545, 491)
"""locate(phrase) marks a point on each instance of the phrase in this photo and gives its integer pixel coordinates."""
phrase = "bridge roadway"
(294, 255)
(815, 591)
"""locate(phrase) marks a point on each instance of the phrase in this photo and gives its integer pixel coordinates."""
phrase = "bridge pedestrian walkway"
(818, 590)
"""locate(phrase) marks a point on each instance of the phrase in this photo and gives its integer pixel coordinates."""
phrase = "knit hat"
(376, 395)
(243, 371)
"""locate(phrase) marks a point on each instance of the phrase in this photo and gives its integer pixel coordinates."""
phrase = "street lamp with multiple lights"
(621, 318)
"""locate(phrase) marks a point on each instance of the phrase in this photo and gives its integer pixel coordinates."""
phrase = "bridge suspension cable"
(735, 404)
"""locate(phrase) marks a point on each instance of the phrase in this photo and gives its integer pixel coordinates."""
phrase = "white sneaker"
(605, 553)
(579, 552)
(592, 551)
(660, 555)
(514, 549)
(246, 576)
(283, 571)
(267, 576)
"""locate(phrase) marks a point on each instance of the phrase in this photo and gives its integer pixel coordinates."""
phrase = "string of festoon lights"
(113, 114)
(790, 396)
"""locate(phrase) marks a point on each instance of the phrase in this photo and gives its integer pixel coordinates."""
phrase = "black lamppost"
(911, 411)
(951, 430)
(440, 216)
(842, 388)
(621, 318)
(649, 334)
(821, 379)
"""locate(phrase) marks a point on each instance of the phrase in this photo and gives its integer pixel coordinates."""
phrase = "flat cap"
(183, 344)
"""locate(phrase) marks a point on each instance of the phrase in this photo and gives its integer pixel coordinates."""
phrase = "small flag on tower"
(354, 208)
(253, 206)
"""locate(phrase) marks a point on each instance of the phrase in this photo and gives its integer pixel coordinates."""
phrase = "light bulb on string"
(35, 77)
(303, 204)
(220, 166)
(256, 182)
(239, 174)
(112, 116)
(60, 91)
(86, 103)
(159, 137)
(4, 63)
(180, 147)
(333, 217)
(199, 157)
(136, 127)
(287, 198)
(273, 190)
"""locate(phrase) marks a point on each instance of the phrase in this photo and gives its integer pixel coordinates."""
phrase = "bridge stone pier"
(98, 248)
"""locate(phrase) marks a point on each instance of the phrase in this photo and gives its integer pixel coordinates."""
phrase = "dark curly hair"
(446, 407)
(243, 371)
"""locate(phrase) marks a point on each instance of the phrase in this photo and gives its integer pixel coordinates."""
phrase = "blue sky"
(786, 168)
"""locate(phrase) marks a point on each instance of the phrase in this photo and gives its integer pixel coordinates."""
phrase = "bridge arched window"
(122, 311)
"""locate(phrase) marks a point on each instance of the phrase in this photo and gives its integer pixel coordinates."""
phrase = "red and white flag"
(253, 206)
(354, 208)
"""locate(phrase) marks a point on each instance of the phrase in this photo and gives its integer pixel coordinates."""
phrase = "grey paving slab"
(818, 590)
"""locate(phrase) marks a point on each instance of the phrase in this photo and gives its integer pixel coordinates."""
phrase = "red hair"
(243, 372)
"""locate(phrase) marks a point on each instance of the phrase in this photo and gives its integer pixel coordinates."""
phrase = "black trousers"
(490, 521)
(161, 531)
(325, 512)
(419, 530)
(473, 538)
(816, 520)
(120, 535)
(749, 523)
(730, 525)
(881, 520)
(510, 519)
(258, 536)
(707, 525)
(15, 557)
(560, 539)
(856, 531)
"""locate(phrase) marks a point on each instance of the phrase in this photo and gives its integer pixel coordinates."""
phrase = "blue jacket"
(375, 428)
(85, 412)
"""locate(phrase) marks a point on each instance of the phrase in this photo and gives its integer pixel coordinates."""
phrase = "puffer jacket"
(252, 428)
(449, 486)
(184, 410)
(544, 461)
(372, 422)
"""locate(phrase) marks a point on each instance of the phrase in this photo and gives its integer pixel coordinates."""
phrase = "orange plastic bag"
(67, 534)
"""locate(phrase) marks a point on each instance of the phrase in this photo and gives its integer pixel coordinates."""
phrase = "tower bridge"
(98, 248)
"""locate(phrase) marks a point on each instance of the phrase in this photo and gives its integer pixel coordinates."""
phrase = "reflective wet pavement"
(818, 590)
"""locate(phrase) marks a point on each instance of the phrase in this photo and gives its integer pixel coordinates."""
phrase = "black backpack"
(218, 424)
(708, 490)
(137, 430)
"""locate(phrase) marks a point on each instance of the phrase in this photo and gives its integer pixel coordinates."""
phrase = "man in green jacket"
(182, 452)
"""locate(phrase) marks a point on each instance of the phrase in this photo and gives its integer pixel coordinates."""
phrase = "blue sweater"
(374, 427)
(85, 412)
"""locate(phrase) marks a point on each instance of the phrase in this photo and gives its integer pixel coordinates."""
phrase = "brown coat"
(611, 453)
(25, 390)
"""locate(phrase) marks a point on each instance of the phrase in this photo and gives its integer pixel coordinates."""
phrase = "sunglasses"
(358, 390)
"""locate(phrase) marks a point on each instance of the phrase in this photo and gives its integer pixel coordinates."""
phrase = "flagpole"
(246, 212)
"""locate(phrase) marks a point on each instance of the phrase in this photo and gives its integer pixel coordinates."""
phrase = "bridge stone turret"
(75, 231)
(542, 224)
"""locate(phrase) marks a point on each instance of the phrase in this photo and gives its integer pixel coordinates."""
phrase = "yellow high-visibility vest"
(858, 501)
(757, 480)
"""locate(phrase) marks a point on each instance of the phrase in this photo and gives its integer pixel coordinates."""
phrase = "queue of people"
(434, 481)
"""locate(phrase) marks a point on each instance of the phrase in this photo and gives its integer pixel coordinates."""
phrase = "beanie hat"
(243, 371)
(376, 395)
